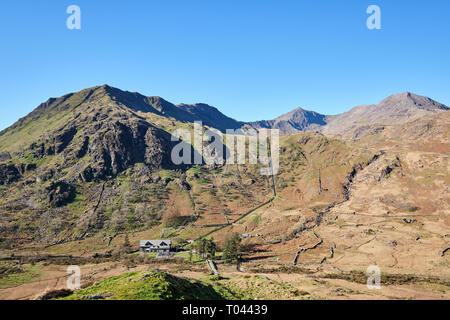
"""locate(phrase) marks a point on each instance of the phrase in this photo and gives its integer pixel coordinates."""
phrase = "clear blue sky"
(252, 59)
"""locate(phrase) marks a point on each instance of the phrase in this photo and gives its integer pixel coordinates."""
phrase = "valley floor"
(254, 282)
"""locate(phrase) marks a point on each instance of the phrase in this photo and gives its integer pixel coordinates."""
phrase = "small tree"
(211, 248)
(232, 248)
(126, 244)
(200, 247)
(206, 248)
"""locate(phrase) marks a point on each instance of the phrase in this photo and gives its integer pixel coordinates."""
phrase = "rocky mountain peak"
(295, 121)
(411, 100)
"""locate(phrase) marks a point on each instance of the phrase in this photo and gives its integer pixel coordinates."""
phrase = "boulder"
(5, 156)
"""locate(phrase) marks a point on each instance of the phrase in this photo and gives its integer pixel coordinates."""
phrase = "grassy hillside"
(151, 285)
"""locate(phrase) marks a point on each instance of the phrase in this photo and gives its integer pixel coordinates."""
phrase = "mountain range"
(396, 109)
(104, 130)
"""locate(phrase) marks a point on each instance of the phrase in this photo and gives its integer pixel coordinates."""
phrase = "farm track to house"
(47, 281)
(33, 295)
(35, 288)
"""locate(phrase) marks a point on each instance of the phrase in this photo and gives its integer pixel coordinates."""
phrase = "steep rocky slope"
(57, 160)
(211, 117)
(95, 133)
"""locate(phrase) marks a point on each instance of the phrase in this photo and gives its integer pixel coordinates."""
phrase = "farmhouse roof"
(155, 243)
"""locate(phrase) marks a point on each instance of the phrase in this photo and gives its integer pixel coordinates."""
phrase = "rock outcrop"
(60, 193)
(10, 173)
